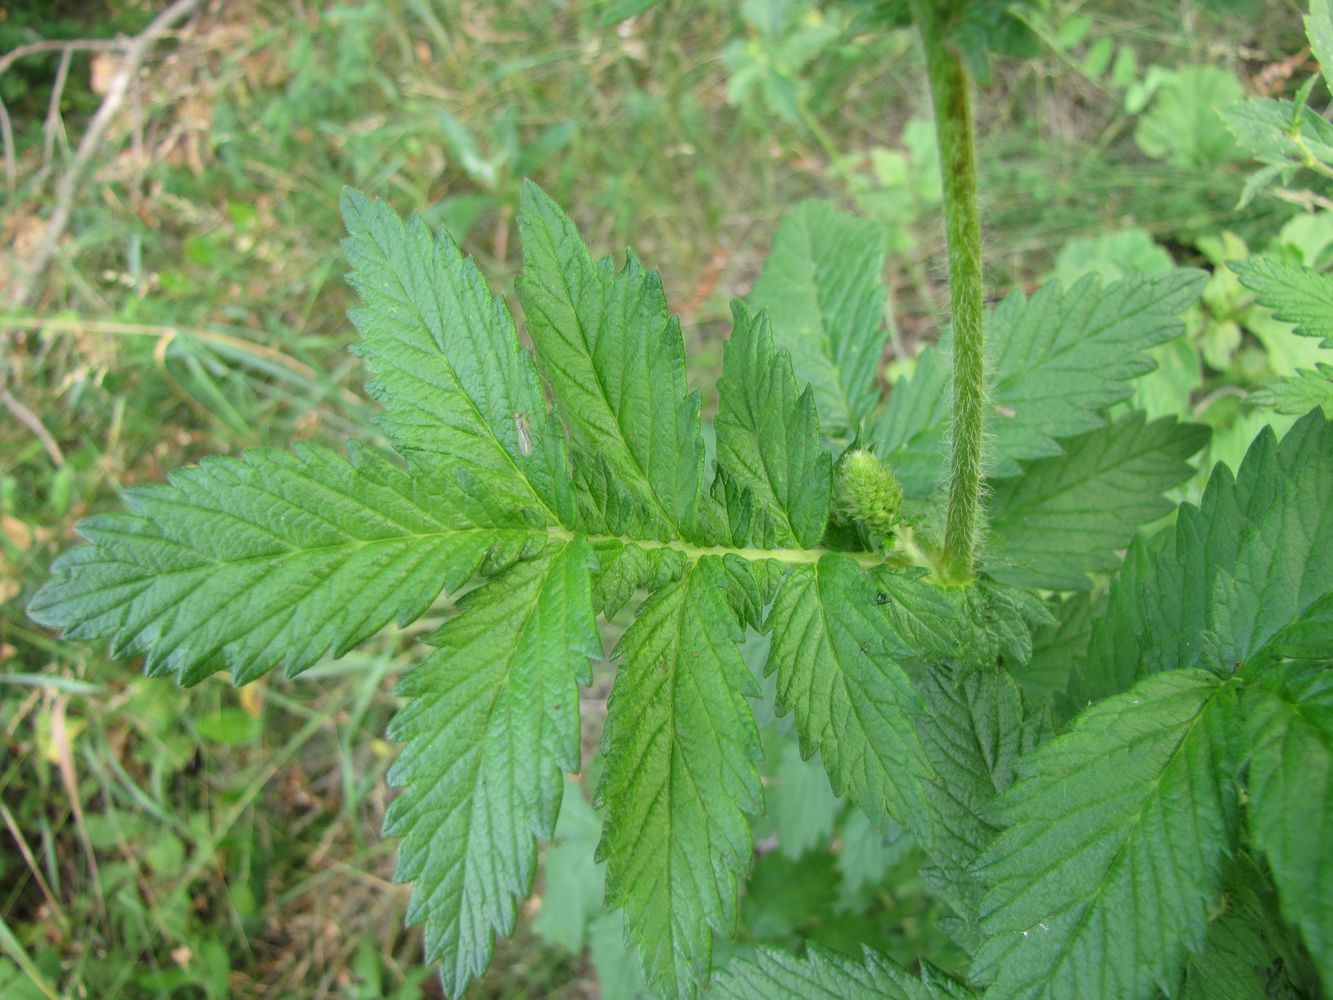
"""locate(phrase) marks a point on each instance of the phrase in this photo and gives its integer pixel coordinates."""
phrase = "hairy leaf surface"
(680, 744)
(1112, 845)
(837, 662)
(492, 721)
(768, 433)
(1058, 360)
(1068, 515)
(974, 734)
(458, 393)
(615, 362)
(1056, 648)
(1289, 727)
(823, 285)
(242, 564)
(826, 975)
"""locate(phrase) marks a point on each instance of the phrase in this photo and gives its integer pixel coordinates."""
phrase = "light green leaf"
(574, 881)
(837, 661)
(621, 10)
(1319, 29)
(768, 435)
(1289, 727)
(1112, 256)
(1295, 294)
(1280, 133)
(491, 722)
(1112, 846)
(1067, 516)
(801, 803)
(1058, 359)
(826, 975)
(615, 362)
(1299, 393)
(680, 744)
(1239, 569)
(974, 625)
(868, 851)
(459, 394)
(242, 564)
(823, 287)
(1182, 126)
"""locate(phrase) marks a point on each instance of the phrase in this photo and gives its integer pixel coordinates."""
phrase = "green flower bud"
(866, 490)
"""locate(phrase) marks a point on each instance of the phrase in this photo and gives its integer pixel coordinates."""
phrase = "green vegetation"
(1039, 719)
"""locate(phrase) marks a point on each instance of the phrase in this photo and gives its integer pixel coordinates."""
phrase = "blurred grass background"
(223, 843)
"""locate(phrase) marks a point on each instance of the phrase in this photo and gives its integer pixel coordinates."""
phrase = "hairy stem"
(958, 171)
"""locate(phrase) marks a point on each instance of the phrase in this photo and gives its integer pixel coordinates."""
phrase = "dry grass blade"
(56, 910)
(67, 187)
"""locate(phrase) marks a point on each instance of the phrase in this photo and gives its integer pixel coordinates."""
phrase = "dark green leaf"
(1059, 359)
(1113, 843)
(680, 744)
(1067, 516)
(768, 435)
(837, 661)
(491, 722)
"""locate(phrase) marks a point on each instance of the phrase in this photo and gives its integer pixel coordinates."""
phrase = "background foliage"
(212, 842)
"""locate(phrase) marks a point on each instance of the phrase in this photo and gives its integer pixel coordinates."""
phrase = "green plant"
(1112, 792)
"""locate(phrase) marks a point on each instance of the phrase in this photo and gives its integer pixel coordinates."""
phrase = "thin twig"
(11, 162)
(68, 185)
(53, 117)
(29, 420)
(61, 45)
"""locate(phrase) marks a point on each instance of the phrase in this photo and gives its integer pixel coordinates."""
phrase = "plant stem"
(958, 171)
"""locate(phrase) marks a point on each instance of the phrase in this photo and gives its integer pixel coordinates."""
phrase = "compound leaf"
(615, 362)
(823, 285)
(1069, 515)
(768, 434)
(1113, 844)
(837, 662)
(826, 975)
(242, 564)
(680, 744)
(1059, 359)
(491, 722)
(1289, 729)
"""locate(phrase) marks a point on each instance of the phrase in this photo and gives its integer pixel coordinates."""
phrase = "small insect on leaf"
(524, 438)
